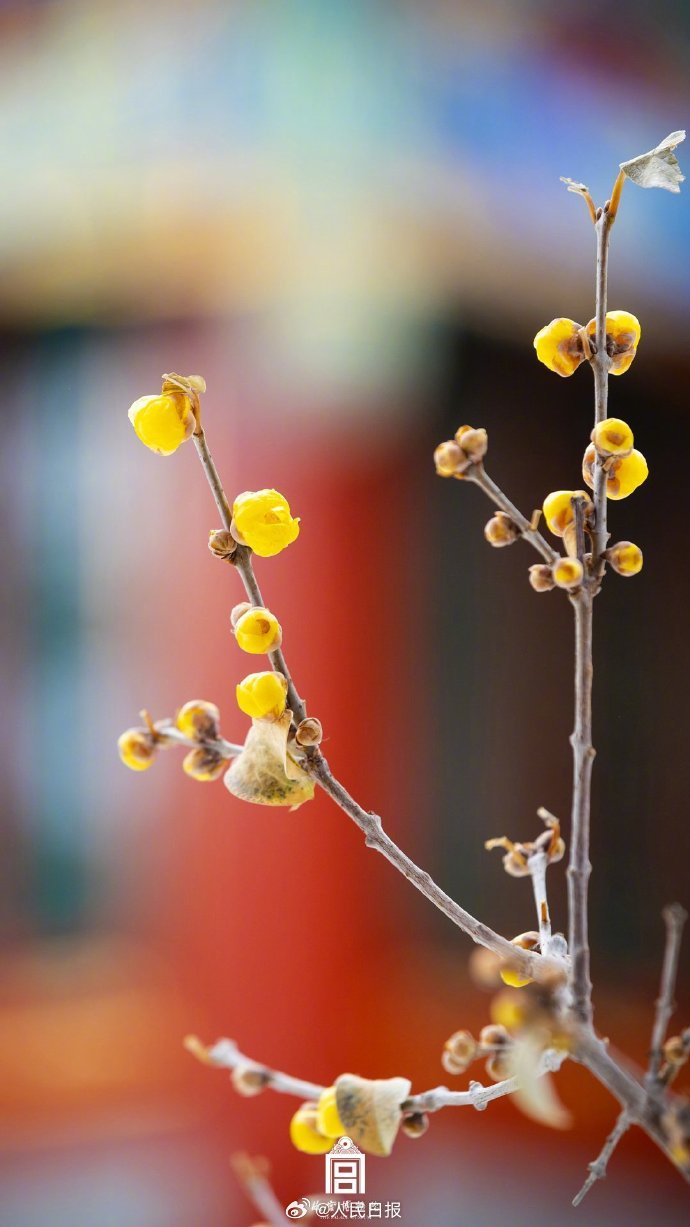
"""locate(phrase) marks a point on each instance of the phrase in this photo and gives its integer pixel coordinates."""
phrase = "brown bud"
(309, 732)
(459, 1051)
(450, 460)
(675, 1052)
(221, 543)
(415, 1124)
(540, 577)
(204, 765)
(498, 1067)
(526, 941)
(238, 612)
(493, 1036)
(500, 530)
(474, 443)
(249, 1080)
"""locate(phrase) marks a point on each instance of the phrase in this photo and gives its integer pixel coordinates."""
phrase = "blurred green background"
(347, 216)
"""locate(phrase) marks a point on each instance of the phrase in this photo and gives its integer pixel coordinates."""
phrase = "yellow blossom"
(204, 765)
(624, 473)
(198, 718)
(262, 695)
(163, 422)
(613, 437)
(622, 337)
(261, 519)
(559, 346)
(328, 1121)
(567, 573)
(625, 558)
(304, 1133)
(258, 630)
(136, 749)
(524, 941)
(558, 509)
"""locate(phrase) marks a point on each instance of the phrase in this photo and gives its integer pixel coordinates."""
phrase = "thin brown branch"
(480, 477)
(675, 917)
(579, 867)
(601, 364)
(597, 1169)
(224, 749)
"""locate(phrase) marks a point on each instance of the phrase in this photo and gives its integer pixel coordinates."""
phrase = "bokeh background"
(347, 216)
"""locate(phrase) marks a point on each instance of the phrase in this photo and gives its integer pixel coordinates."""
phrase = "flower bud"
(625, 558)
(623, 473)
(415, 1124)
(568, 573)
(136, 748)
(613, 437)
(309, 732)
(493, 1036)
(509, 1009)
(540, 577)
(559, 346)
(204, 765)
(474, 442)
(163, 422)
(328, 1121)
(258, 631)
(450, 460)
(622, 336)
(198, 719)
(498, 1067)
(515, 979)
(304, 1133)
(262, 695)
(221, 543)
(500, 530)
(237, 611)
(675, 1051)
(458, 1052)
(261, 519)
(249, 1080)
(558, 509)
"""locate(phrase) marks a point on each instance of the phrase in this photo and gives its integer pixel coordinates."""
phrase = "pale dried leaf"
(659, 167)
(264, 773)
(536, 1094)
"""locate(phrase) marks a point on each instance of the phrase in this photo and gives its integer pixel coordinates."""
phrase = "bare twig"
(537, 865)
(480, 477)
(579, 867)
(601, 364)
(224, 749)
(253, 1176)
(675, 917)
(597, 1169)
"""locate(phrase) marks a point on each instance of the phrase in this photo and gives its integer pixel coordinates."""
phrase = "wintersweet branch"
(477, 473)
(675, 917)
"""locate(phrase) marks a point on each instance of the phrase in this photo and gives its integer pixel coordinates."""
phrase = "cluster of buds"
(454, 457)
(369, 1112)
(562, 345)
(198, 721)
(462, 1049)
(517, 855)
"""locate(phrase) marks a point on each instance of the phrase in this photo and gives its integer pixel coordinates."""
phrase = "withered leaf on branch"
(264, 772)
(536, 1095)
(659, 167)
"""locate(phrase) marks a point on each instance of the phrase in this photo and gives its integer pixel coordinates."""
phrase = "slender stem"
(537, 864)
(601, 364)
(675, 917)
(580, 868)
(226, 1055)
(480, 477)
(253, 1176)
(597, 1169)
(221, 747)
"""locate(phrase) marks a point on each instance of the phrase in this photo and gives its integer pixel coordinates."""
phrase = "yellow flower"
(262, 695)
(558, 509)
(258, 630)
(163, 422)
(525, 941)
(613, 437)
(198, 718)
(567, 573)
(327, 1120)
(204, 765)
(136, 749)
(622, 337)
(261, 519)
(559, 346)
(508, 1009)
(625, 558)
(304, 1133)
(624, 475)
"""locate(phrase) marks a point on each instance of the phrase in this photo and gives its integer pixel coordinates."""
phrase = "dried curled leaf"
(536, 1093)
(264, 773)
(659, 167)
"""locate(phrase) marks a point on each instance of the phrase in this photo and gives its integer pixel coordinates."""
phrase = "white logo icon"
(345, 1168)
(298, 1209)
